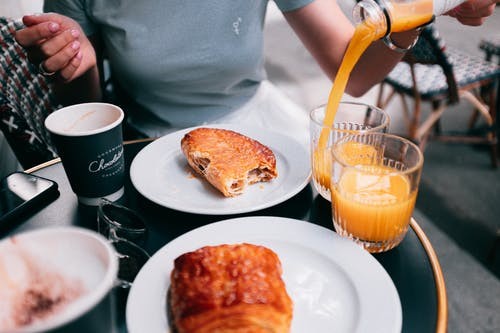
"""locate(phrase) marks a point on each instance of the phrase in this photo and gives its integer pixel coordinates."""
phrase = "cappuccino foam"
(31, 291)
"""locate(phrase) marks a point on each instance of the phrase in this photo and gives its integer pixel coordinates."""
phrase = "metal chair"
(26, 98)
(442, 76)
(491, 47)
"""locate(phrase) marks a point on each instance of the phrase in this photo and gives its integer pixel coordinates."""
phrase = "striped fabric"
(26, 98)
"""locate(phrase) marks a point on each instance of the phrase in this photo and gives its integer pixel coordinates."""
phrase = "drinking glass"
(115, 221)
(351, 117)
(127, 232)
(374, 183)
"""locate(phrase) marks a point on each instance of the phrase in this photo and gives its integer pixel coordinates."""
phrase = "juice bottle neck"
(374, 12)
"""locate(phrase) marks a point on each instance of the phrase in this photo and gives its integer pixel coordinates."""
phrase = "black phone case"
(28, 208)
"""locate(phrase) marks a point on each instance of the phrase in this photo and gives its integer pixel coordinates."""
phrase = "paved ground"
(459, 199)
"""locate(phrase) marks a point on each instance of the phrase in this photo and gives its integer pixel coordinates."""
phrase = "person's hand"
(56, 44)
(473, 12)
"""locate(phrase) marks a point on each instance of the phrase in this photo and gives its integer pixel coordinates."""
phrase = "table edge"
(43, 165)
(442, 299)
(58, 159)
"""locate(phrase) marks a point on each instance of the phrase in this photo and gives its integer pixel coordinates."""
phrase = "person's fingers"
(467, 11)
(55, 44)
(471, 21)
(474, 4)
(31, 36)
(31, 20)
(68, 72)
(59, 60)
(46, 48)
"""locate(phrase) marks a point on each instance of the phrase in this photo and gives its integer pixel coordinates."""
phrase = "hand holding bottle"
(473, 12)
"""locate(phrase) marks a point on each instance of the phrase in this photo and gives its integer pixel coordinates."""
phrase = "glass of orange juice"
(350, 117)
(374, 183)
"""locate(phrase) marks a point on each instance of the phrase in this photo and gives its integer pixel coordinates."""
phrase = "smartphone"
(22, 194)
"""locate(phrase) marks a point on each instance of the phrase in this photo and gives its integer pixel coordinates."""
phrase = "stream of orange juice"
(404, 16)
(373, 203)
(363, 36)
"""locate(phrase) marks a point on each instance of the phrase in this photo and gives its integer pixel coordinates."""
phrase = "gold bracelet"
(390, 44)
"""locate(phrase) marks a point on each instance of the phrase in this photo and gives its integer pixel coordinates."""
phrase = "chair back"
(430, 50)
(26, 98)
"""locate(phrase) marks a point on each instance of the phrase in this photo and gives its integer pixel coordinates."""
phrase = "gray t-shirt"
(185, 62)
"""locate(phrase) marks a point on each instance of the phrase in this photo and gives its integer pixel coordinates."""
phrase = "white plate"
(335, 285)
(160, 173)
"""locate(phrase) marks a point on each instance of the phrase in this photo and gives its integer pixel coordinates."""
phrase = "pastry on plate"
(229, 288)
(228, 160)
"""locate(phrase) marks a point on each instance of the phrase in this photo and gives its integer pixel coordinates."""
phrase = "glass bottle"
(400, 15)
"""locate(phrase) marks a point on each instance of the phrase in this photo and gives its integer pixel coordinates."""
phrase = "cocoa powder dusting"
(46, 295)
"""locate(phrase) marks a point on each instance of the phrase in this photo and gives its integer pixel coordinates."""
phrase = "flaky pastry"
(229, 288)
(227, 159)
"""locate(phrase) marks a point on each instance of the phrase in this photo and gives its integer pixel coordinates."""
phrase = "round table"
(413, 265)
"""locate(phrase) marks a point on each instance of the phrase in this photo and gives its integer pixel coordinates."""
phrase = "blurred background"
(458, 204)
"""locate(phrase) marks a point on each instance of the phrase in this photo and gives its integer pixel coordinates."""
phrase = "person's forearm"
(326, 32)
(86, 88)
(376, 62)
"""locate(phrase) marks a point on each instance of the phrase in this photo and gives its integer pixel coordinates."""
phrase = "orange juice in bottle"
(401, 15)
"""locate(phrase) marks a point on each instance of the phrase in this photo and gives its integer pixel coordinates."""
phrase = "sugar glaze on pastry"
(229, 288)
(228, 160)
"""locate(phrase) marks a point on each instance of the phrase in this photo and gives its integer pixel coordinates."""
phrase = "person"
(178, 64)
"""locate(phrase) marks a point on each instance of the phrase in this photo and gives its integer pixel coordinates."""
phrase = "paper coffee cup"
(88, 138)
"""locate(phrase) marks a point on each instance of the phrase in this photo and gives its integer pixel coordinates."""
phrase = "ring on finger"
(43, 71)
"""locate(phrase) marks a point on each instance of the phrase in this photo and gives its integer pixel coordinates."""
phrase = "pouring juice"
(375, 20)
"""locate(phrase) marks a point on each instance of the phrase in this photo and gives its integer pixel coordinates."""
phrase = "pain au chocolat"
(229, 288)
(228, 160)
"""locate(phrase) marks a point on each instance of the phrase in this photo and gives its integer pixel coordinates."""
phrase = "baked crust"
(229, 288)
(228, 160)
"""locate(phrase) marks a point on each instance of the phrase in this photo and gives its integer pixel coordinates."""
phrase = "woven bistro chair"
(26, 98)
(443, 76)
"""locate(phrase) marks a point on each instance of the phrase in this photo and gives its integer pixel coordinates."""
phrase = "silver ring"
(42, 70)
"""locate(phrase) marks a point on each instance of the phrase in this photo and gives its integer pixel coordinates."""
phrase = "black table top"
(413, 265)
